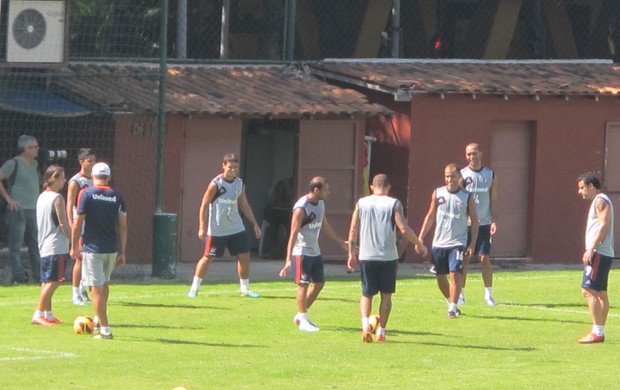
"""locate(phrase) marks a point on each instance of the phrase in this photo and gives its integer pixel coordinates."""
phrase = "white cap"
(101, 169)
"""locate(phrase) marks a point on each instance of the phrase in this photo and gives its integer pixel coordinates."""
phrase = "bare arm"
(12, 203)
(473, 217)
(493, 199)
(72, 192)
(245, 208)
(122, 238)
(298, 215)
(76, 232)
(429, 220)
(207, 198)
(603, 214)
(353, 234)
(331, 233)
(59, 207)
(406, 231)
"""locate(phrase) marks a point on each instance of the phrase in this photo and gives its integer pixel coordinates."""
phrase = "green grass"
(162, 339)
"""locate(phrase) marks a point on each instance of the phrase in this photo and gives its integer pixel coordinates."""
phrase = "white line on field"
(37, 354)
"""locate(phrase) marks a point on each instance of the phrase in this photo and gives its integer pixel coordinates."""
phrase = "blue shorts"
(53, 268)
(483, 242)
(235, 243)
(378, 276)
(308, 269)
(596, 276)
(448, 260)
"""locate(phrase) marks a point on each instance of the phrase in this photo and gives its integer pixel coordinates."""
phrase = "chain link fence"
(316, 29)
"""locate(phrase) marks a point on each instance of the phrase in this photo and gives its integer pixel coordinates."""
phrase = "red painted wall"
(568, 139)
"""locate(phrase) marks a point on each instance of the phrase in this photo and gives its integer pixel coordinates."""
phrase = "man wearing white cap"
(101, 211)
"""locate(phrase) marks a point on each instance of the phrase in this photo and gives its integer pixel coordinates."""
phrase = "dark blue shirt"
(101, 206)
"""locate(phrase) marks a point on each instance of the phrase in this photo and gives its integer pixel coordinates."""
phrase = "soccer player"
(53, 234)
(598, 255)
(481, 182)
(374, 221)
(78, 182)
(102, 215)
(303, 245)
(225, 197)
(450, 208)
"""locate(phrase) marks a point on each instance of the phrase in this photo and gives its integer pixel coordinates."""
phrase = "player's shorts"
(53, 268)
(596, 276)
(483, 242)
(97, 268)
(448, 260)
(378, 276)
(308, 269)
(235, 243)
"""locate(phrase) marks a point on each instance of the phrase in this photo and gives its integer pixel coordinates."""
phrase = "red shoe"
(41, 321)
(56, 320)
(591, 339)
(380, 338)
(367, 335)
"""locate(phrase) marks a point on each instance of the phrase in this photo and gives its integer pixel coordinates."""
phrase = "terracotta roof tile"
(211, 89)
(598, 77)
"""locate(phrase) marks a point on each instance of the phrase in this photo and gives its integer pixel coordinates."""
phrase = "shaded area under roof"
(262, 90)
(38, 102)
(594, 77)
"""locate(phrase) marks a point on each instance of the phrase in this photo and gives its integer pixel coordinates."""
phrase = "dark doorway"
(269, 172)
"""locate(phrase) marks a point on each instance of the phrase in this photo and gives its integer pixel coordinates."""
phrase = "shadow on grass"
(482, 347)
(499, 317)
(170, 306)
(186, 342)
(156, 326)
(556, 305)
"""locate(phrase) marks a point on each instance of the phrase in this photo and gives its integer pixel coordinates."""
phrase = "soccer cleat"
(308, 326)
(380, 338)
(458, 312)
(84, 296)
(452, 315)
(461, 300)
(79, 301)
(192, 294)
(490, 301)
(55, 320)
(102, 336)
(41, 321)
(591, 339)
(250, 294)
(367, 335)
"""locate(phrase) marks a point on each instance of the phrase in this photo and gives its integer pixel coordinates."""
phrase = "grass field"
(162, 339)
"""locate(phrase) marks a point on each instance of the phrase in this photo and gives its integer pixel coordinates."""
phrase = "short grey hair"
(24, 140)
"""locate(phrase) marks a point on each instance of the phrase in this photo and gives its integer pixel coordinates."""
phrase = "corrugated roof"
(274, 90)
(596, 77)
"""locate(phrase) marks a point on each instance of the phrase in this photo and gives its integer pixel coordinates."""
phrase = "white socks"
(598, 330)
(196, 283)
(488, 292)
(244, 285)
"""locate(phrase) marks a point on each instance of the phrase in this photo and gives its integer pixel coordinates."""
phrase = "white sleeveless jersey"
(451, 218)
(377, 228)
(82, 182)
(606, 248)
(479, 183)
(52, 241)
(307, 242)
(224, 217)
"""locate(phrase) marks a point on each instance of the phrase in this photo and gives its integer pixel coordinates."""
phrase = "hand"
(13, 204)
(120, 260)
(421, 249)
(493, 228)
(587, 257)
(201, 233)
(469, 251)
(284, 270)
(352, 262)
(257, 231)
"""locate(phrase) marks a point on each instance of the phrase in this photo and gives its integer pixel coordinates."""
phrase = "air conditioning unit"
(36, 31)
